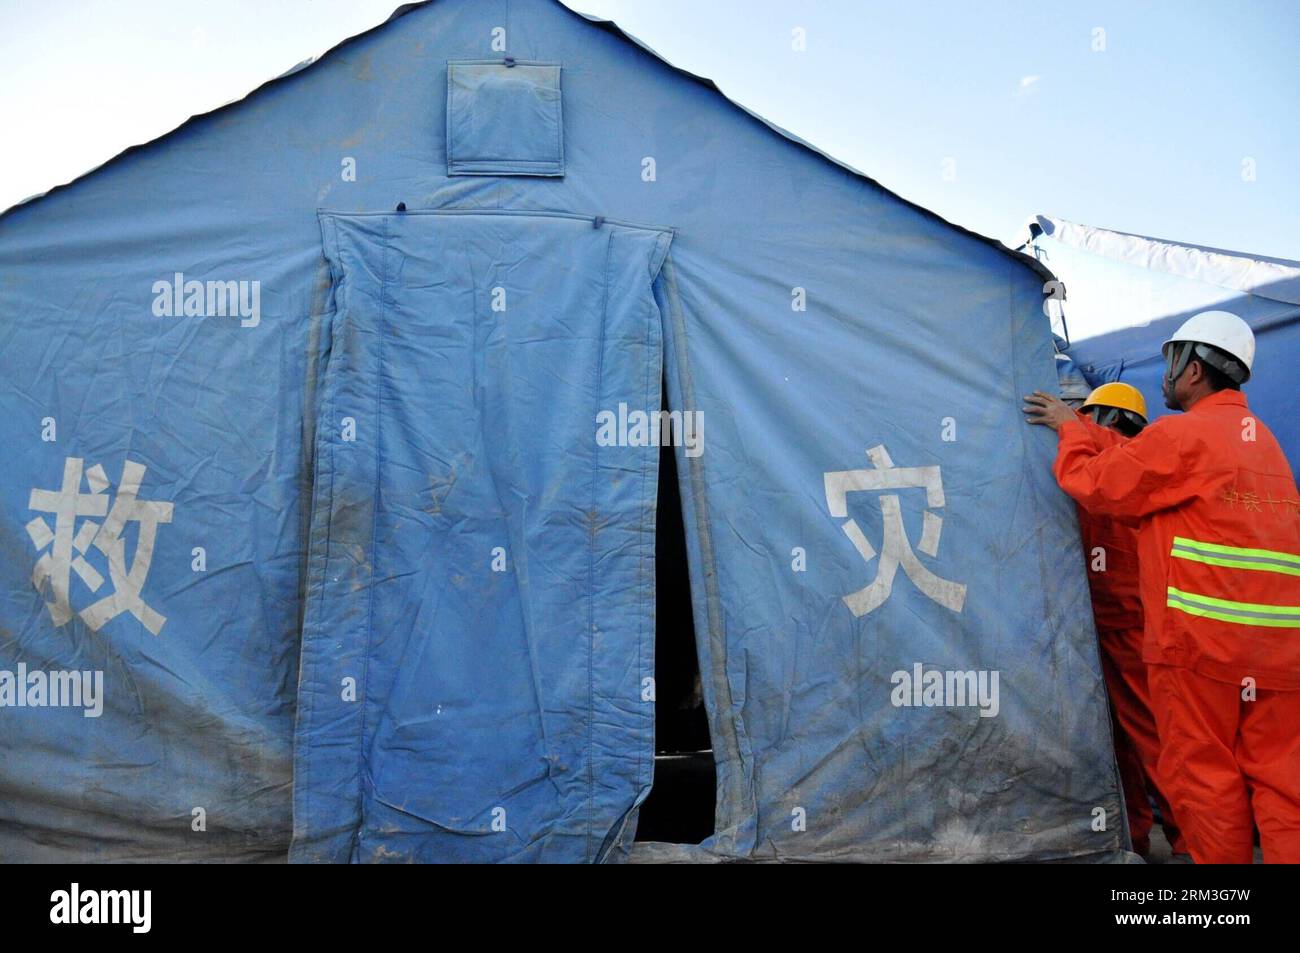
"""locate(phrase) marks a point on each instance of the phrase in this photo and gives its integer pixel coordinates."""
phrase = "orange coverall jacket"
(1219, 536)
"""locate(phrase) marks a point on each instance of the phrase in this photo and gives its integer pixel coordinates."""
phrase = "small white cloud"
(1028, 84)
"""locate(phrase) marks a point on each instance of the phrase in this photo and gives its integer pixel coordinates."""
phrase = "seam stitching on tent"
(641, 532)
(374, 531)
(591, 556)
(330, 237)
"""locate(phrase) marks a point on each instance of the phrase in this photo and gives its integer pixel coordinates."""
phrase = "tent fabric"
(305, 650)
(1072, 385)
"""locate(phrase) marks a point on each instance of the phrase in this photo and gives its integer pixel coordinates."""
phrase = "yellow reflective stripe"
(1236, 563)
(1235, 550)
(1229, 604)
(1223, 610)
(1239, 619)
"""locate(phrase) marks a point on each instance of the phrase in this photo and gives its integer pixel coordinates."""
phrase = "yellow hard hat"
(1120, 395)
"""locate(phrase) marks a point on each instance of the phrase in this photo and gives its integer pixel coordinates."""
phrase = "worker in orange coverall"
(1218, 518)
(1111, 551)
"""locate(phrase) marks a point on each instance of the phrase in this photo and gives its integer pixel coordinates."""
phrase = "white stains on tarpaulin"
(379, 853)
(957, 838)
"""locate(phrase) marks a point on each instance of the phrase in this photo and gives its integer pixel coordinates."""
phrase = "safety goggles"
(1179, 353)
(1109, 416)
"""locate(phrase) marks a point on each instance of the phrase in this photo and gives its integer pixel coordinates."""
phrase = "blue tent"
(331, 425)
(1177, 280)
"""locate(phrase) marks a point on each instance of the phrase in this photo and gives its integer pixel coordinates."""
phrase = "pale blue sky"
(1148, 135)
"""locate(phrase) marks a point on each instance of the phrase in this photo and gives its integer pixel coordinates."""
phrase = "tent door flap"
(480, 603)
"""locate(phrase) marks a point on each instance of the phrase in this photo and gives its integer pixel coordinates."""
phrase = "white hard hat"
(1223, 330)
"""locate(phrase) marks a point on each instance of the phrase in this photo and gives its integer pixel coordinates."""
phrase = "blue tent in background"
(330, 424)
(1265, 292)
